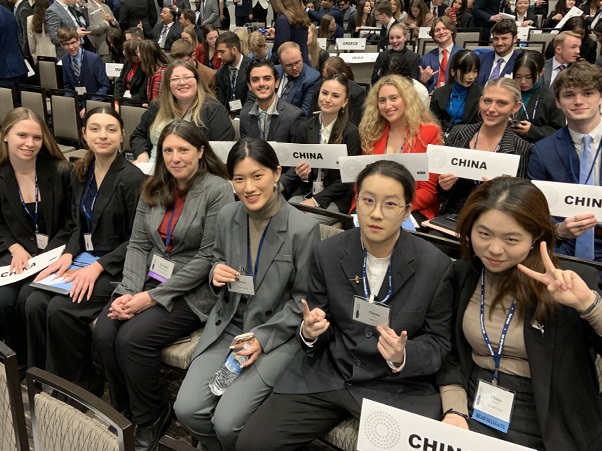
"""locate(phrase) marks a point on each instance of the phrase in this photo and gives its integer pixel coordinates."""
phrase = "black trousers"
(289, 422)
(130, 353)
(12, 321)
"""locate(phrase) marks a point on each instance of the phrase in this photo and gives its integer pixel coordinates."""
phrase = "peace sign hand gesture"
(566, 287)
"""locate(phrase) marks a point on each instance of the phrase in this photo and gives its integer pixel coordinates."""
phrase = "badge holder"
(235, 105)
(88, 242)
(369, 312)
(318, 185)
(243, 284)
(161, 268)
(493, 406)
(41, 241)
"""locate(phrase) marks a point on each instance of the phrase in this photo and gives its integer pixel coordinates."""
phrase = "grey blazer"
(57, 17)
(192, 254)
(211, 14)
(100, 27)
(274, 313)
(547, 74)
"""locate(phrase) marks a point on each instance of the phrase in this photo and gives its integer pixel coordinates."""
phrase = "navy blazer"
(92, 75)
(12, 64)
(555, 159)
(346, 355)
(432, 59)
(487, 60)
(224, 88)
(302, 91)
(282, 125)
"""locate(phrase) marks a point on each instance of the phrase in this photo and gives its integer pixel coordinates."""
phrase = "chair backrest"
(346, 221)
(131, 116)
(13, 432)
(65, 114)
(57, 425)
(362, 72)
(34, 98)
(7, 99)
(536, 35)
(475, 45)
(429, 46)
(423, 43)
(48, 72)
(532, 45)
(93, 100)
(236, 125)
(463, 36)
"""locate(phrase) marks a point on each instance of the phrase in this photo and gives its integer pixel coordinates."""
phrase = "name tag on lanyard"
(161, 268)
(493, 406)
(370, 313)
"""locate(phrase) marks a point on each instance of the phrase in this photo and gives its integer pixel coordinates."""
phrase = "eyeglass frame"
(383, 209)
(186, 79)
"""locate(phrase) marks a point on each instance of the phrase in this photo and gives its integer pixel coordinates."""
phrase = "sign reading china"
(568, 199)
(469, 163)
(36, 264)
(385, 428)
(319, 156)
(416, 163)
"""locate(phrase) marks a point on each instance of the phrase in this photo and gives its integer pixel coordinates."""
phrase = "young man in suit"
(500, 62)
(268, 117)
(298, 81)
(231, 77)
(384, 16)
(133, 12)
(326, 7)
(436, 8)
(62, 13)
(209, 13)
(83, 71)
(566, 51)
(485, 14)
(571, 155)
(434, 66)
(167, 29)
(188, 19)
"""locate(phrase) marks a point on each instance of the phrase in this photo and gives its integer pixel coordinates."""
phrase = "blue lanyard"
(497, 356)
(365, 278)
(233, 86)
(249, 262)
(532, 118)
(89, 215)
(34, 217)
(169, 232)
(591, 169)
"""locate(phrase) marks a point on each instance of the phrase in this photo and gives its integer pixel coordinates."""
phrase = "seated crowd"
(212, 244)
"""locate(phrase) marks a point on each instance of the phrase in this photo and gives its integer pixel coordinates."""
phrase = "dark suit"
(345, 358)
(439, 101)
(174, 33)
(92, 76)
(487, 61)
(242, 10)
(282, 125)
(133, 11)
(555, 159)
(224, 87)
(137, 84)
(383, 59)
(548, 117)
(548, 67)
(482, 11)
(384, 36)
(304, 86)
(432, 59)
(23, 11)
(563, 379)
(316, 16)
(13, 67)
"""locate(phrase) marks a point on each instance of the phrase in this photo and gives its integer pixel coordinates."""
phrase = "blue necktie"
(584, 245)
(496, 71)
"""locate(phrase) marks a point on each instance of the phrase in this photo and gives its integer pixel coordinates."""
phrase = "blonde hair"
(509, 84)
(189, 30)
(243, 35)
(416, 114)
(314, 48)
(257, 40)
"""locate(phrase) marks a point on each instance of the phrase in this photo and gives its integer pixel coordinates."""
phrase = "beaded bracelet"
(455, 412)
(588, 310)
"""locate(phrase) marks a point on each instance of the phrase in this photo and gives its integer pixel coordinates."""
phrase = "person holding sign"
(106, 189)
(261, 272)
(370, 329)
(396, 121)
(35, 201)
(527, 373)
(164, 294)
(501, 99)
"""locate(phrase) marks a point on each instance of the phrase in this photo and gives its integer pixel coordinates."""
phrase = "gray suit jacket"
(282, 125)
(274, 313)
(210, 14)
(547, 74)
(57, 17)
(99, 27)
(192, 254)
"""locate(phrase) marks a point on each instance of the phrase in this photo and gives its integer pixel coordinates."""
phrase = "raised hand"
(314, 322)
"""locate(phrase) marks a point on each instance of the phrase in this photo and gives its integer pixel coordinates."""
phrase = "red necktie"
(442, 69)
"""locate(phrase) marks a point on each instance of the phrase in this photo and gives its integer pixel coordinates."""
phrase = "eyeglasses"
(186, 80)
(295, 64)
(389, 208)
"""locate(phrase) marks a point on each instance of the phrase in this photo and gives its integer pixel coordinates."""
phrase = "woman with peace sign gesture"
(525, 327)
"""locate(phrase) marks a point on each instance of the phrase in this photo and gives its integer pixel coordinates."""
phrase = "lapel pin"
(356, 279)
(539, 327)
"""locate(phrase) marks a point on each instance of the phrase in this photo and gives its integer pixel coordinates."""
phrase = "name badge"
(161, 268)
(81, 90)
(41, 241)
(88, 241)
(235, 105)
(370, 313)
(318, 187)
(243, 285)
(493, 406)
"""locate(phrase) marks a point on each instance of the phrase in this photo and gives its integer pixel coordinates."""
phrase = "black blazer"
(563, 372)
(382, 61)
(224, 89)
(133, 11)
(357, 98)
(55, 190)
(173, 34)
(114, 212)
(282, 125)
(439, 101)
(334, 190)
(530, 16)
(137, 84)
(548, 117)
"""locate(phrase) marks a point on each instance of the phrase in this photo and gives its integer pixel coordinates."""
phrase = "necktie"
(79, 19)
(442, 69)
(584, 245)
(233, 74)
(162, 36)
(287, 88)
(435, 11)
(75, 65)
(263, 119)
(561, 67)
(496, 71)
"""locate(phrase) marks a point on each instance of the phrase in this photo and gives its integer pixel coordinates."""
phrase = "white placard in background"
(222, 149)
(351, 43)
(416, 163)
(568, 199)
(471, 164)
(324, 156)
(114, 69)
(36, 264)
(322, 42)
(424, 33)
(573, 12)
(351, 58)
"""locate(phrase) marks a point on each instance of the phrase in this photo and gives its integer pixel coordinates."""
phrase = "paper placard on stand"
(424, 33)
(222, 149)
(319, 156)
(416, 163)
(385, 428)
(351, 43)
(523, 33)
(30, 71)
(146, 168)
(36, 264)
(471, 164)
(351, 58)
(508, 16)
(568, 199)
(322, 42)
(573, 12)
(113, 69)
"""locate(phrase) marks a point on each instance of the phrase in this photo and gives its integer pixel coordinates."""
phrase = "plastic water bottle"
(227, 373)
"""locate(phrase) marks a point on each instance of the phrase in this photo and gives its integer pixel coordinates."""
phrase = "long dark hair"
(160, 189)
(336, 136)
(532, 60)
(527, 205)
(38, 22)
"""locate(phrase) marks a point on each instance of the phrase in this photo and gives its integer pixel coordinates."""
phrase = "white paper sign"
(222, 149)
(322, 42)
(351, 58)
(424, 33)
(470, 164)
(573, 12)
(568, 199)
(114, 69)
(416, 163)
(146, 168)
(30, 71)
(319, 156)
(507, 16)
(351, 43)
(36, 264)
(385, 428)
(523, 33)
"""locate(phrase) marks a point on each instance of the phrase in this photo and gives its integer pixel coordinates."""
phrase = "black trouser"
(130, 352)
(12, 321)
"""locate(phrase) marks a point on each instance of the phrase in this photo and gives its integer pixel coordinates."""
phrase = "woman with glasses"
(265, 239)
(397, 121)
(546, 315)
(500, 101)
(187, 98)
